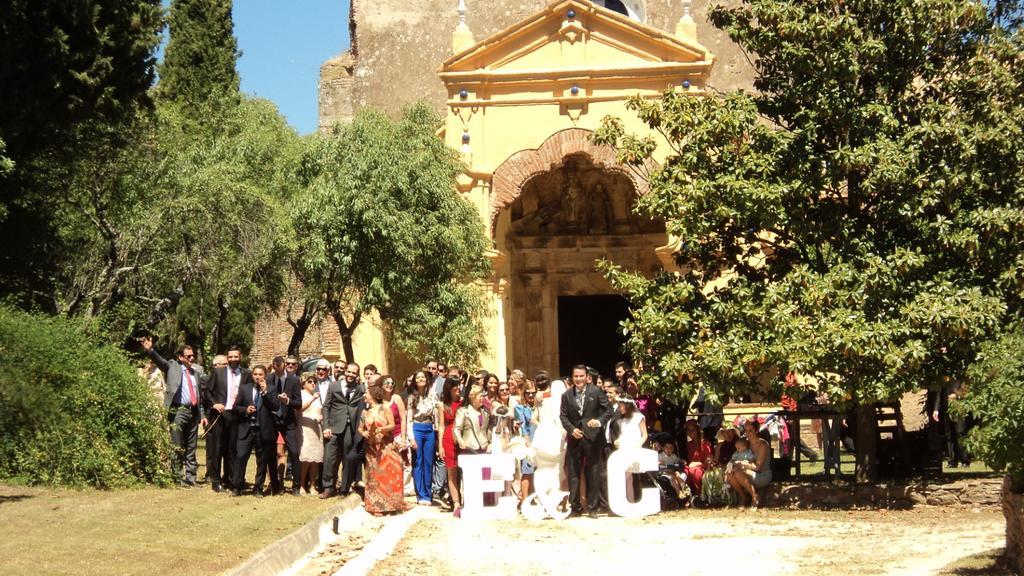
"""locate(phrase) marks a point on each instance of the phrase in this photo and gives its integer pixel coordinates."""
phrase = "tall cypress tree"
(68, 71)
(199, 64)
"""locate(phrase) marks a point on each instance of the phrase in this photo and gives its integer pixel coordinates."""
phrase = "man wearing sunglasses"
(184, 409)
(289, 390)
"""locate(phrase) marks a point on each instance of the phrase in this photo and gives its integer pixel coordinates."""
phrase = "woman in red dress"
(383, 464)
(698, 456)
(451, 395)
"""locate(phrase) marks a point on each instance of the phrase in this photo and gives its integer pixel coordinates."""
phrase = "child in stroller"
(670, 478)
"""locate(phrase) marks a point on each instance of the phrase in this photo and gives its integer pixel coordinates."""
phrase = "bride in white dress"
(548, 453)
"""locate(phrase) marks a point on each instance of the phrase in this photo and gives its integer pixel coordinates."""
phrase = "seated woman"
(698, 456)
(747, 478)
(714, 491)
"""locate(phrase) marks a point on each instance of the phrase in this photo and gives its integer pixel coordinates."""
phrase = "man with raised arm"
(183, 401)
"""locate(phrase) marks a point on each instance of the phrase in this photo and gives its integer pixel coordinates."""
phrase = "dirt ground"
(692, 542)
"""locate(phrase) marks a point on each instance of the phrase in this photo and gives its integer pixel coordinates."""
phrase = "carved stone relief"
(578, 198)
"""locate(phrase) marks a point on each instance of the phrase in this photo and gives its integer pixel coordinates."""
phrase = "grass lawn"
(149, 531)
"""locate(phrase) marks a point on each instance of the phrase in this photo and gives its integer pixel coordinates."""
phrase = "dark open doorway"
(589, 332)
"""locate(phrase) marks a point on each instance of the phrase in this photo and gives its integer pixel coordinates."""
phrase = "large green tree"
(183, 231)
(68, 69)
(857, 219)
(381, 228)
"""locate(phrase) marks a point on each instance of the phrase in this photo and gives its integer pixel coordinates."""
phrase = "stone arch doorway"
(558, 310)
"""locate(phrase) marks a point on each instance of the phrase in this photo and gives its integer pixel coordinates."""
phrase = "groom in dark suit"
(584, 413)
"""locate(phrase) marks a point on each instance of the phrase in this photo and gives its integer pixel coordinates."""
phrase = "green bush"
(995, 400)
(74, 410)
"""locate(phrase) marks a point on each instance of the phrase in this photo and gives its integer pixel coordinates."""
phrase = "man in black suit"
(256, 409)
(222, 389)
(584, 413)
(289, 396)
(183, 401)
(342, 410)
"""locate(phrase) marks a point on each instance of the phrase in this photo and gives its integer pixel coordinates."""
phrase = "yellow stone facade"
(521, 103)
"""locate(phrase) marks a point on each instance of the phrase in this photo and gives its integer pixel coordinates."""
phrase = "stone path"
(713, 542)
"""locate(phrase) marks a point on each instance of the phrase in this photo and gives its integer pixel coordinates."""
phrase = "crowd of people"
(391, 439)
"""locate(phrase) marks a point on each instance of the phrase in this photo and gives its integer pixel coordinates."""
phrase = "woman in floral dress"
(383, 463)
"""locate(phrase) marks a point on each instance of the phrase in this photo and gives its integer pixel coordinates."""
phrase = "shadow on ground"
(7, 499)
(988, 563)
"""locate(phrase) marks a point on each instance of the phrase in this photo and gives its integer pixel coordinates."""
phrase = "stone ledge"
(278, 556)
(975, 492)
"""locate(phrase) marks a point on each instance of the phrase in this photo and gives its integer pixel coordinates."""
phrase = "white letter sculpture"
(473, 486)
(631, 460)
(548, 453)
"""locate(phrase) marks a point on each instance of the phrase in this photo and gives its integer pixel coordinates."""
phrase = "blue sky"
(283, 44)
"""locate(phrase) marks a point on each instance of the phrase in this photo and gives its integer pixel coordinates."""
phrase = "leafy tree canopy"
(185, 223)
(858, 219)
(63, 63)
(381, 228)
(995, 401)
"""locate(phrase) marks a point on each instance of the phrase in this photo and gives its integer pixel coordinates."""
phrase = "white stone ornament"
(474, 486)
(631, 460)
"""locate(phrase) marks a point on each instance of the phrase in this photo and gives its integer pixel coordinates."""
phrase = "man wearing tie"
(222, 434)
(184, 409)
(342, 410)
(255, 409)
(584, 413)
(289, 395)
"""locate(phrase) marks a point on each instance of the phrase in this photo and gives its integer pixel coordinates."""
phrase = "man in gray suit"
(184, 408)
(342, 409)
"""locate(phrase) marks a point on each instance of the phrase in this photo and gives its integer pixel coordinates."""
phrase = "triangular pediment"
(576, 35)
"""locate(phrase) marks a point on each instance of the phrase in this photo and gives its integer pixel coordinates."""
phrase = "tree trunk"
(1013, 511)
(164, 306)
(219, 328)
(345, 329)
(867, 444)
(346, 344)
(300, 327)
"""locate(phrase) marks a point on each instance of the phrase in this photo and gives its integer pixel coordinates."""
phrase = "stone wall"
(273, 333)
(401, 44)
(334, 91)
(1013, 510)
